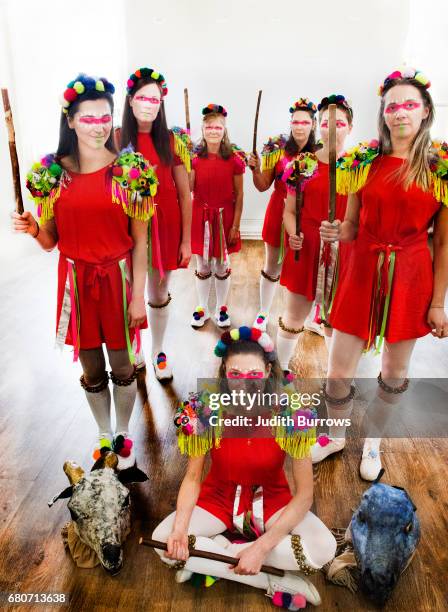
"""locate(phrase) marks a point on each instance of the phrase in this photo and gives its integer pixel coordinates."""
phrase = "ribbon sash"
(250, 523)
(69, 312)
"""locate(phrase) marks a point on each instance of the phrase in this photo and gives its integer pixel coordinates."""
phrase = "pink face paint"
(151, 100)
(394, 107)
(304, 122)
(90, 120)
(237, 375)
(339, 124)
(216, 128)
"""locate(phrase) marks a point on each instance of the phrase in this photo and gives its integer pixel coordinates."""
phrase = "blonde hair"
(417, 170)
(225, 147)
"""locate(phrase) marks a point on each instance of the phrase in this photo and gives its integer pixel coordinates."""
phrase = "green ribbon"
(122, 264)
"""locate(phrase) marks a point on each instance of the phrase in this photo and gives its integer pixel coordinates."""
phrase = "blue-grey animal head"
(99, 505)
(385, 533)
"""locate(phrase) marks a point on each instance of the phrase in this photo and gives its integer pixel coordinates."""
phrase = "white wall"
(224, 53)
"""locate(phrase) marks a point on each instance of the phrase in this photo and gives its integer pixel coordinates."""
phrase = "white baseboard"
(251, 229)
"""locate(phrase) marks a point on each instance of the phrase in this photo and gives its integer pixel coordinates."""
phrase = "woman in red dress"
(300, 276)
(144, 127)
(392, 292)
(85, 213)
(217, 185)
(246, 490)
(301, 138)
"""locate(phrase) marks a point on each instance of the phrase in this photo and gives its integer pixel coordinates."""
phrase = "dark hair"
(68, 140)
(348, 111)
(291, 147)
(225, 146)
(248, 347)
(160, 133)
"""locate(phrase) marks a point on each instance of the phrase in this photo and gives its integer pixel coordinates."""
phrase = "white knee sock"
(328, 342)
(203, 286)
(267, 293)
(124, 400)
(158, 321)
(285, 350)
(222, 290)
(344, 412)
(100, 406)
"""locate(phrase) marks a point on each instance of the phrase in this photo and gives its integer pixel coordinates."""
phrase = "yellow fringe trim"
(141, 208)
(182, 151)
(351, 181)
(440, 189)
(195, 446)
(269, 160)
(47, 204)
(297, 445)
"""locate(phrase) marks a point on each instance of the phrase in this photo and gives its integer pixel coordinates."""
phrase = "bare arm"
(46, 235)
(137, 309)
(348, 229)
(239, 194)
(183, 190)
(262, 180)
(191, 180)
(436, 315)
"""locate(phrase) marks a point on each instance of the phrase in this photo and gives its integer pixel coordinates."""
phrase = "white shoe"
(162, 369)
(326, 446)
(183, 575)
(316, 328)
(104, 441)
(370, 462)
(222, 318)
(261, 321)
(200, 317)
(293, 583)
(123, 447)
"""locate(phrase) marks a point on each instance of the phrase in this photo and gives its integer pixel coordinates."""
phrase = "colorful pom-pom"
(235, 334)
(130, 83)
(138, 73)
(99, 85)
(125, 452)
(117, 171)
(255, 334)
(223, 309)
(134, 173)
(245, 332)
(226, 338)
(70, 94)
(155, 75)
(128, 443)
(79, 87)
(96, 454)
(323, 440)
(288, 601)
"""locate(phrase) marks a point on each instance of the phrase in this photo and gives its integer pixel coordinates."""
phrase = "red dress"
(301, 276)
(93, 237)
(250, 463)
(166, 225)
(273, 232)
(391, 220)
(214, 197)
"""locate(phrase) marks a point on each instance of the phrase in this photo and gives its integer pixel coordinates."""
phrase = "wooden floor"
(45, 420)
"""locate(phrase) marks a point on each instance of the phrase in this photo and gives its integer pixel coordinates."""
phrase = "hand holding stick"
(204, 554)
(13, 152)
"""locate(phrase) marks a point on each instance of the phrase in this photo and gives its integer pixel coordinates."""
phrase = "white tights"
(203, 286)
(319, 546)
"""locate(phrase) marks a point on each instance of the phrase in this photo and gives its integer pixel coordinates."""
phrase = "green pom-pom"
(99, 86)
(70, 85)
(79, 87)
(55, 170)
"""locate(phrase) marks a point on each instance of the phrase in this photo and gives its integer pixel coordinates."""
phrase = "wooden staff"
(254, 143)
(332, 161)
(13, 152)
(299, 203)
(204, 554)
(187, 110)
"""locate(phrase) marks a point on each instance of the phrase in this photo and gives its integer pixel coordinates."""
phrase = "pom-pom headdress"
(303, 104)
(146, 72)
(251, 334)
(214, 108)
(82, 84)
(337, 99)
(403, 74)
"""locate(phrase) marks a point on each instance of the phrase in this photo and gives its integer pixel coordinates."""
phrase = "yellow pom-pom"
(155, 75)
(153, 189)
(99, 86)
(79, 87)
(235, 334)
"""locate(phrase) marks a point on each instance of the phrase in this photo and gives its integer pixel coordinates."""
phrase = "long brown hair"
(417, 170)
(292, 148)
(225, 146)
(160, 133)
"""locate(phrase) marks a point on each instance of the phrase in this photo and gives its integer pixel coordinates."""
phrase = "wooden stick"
(13, 152)
(204, 554)
(299, 202)
(187, 110)
(254, 143)
(332, 160)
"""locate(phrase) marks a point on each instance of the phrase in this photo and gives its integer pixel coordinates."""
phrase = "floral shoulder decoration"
(273, 150)
(183, 146)
(240, 155)
(295, 431)
(195, 435)
(439, 170)
(352, 168)
(134, 184)
(44, 182)
(298, 171)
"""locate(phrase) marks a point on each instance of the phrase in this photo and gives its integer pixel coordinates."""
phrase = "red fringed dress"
(392, 236)
(214, 205)
(301, 276)
(166, 224)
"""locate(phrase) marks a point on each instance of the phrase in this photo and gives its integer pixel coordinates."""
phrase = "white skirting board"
(251, 229)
